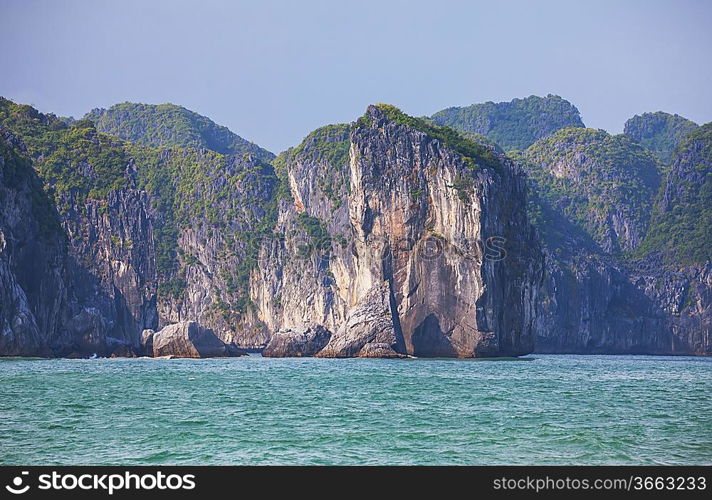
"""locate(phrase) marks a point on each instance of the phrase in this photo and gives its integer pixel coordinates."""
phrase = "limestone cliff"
(403, 260)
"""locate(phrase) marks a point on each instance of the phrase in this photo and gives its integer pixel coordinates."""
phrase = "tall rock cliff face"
(33, 257)
(109, 282)
(211, 214)
(112, 270)
(402, 266)
(296, 280)
(516, 124)
(153, 236)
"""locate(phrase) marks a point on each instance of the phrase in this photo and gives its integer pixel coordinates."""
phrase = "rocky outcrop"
(386, 237)
(297, 342)
(370, 331)
(147, 342)
(428, 222)
(188, 339)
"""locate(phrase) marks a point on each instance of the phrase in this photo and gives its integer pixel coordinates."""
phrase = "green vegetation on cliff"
(602, 184)
(328, 149)
(513, 125)
(681, 226)
(319, 238)
(660, 132)
(189, 185)
(330, 143)
(16, 173)
(72, 159)
(170, 125)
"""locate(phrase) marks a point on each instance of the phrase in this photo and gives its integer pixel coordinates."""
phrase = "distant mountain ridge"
(659, 132)
(604, 184)
(627, 248)
(171, 125)
(516, 124)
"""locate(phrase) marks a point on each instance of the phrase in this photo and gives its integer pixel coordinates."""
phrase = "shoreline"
(524, 357)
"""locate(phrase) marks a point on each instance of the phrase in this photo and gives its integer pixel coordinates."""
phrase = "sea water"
(253, 410)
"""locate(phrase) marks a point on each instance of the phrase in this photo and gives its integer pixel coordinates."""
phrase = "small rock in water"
(306, 340)
(188, 339)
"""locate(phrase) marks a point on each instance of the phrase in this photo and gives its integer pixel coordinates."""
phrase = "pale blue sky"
(274, 70)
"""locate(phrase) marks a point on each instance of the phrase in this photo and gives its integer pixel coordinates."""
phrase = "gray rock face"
(33, 258)
(594, 305)
(215, 244)
(369, 331)
(683, 300)
(451, 288)
(297, 342)
(188, 339)
(112, 269)
(85, 281)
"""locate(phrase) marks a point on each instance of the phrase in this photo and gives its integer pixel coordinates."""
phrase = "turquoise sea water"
(254, 410)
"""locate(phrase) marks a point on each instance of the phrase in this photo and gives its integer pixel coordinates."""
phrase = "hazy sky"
(274, 70)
